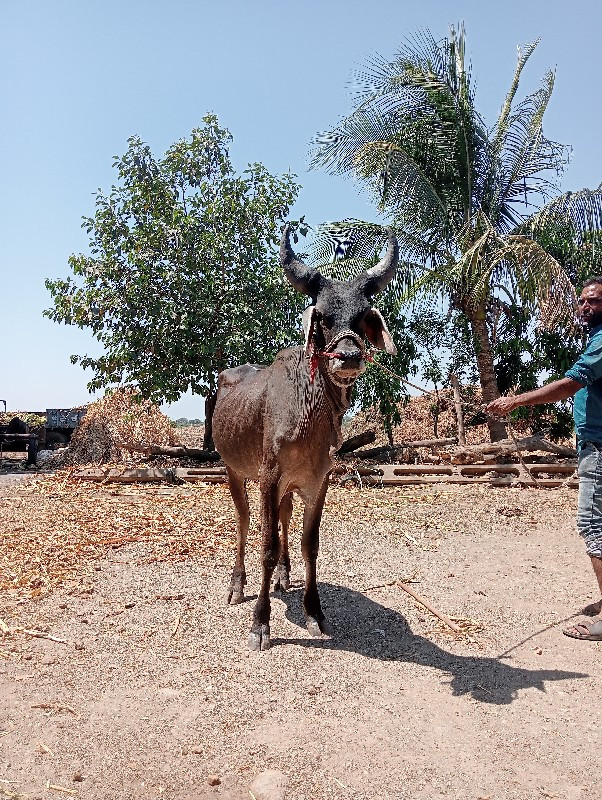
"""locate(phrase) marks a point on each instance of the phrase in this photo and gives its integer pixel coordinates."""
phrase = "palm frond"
(538, 279)
(342, 250)
(348, 239)
(581, 210)
(352, 238)
(383, 78)
(501, 126)
(415, 132)
(524, 158)
(456, 193)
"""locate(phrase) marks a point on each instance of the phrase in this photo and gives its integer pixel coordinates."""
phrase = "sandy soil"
(154, 690)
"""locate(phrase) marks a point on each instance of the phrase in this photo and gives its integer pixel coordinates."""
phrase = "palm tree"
(465, 200)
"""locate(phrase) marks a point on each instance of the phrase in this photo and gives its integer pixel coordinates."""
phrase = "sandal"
(589, 631)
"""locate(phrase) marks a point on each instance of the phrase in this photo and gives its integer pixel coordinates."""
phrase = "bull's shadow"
(362, 626)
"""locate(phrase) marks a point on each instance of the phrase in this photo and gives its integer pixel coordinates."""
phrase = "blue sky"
(79, 78)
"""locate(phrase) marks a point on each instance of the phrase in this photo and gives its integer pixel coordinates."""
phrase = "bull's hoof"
(259, 639)
(318, 628)
(282, 580)
(234, 596)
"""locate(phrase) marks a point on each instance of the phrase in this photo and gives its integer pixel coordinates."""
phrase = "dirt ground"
(152, 693)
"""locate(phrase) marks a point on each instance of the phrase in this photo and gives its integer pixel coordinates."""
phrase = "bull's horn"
(303, 278)
(384, 272)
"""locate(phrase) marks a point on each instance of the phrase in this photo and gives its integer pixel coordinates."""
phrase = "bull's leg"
(259, 638)
(310, 544)
(241, 503)
(283, 569)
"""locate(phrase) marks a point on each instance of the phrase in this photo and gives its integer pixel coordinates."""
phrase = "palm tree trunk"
(489, 388)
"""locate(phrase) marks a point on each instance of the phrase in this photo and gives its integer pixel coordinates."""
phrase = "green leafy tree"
(458, 193)
(182, 279)
(523, 351)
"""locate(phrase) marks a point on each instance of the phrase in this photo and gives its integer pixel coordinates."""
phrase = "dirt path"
(155, 690)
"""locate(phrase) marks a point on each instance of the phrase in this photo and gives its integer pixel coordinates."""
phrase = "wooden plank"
(383, 475)
(138, 475)
(151, 475)
(415, 480)
(208, 474)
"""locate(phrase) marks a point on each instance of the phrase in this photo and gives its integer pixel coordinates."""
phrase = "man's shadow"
(362, 626)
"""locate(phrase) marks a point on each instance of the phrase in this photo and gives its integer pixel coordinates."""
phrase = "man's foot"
(589, 631)
(593, 609)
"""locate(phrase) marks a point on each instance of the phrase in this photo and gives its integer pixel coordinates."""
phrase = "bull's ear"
(376, 331)
(309, 320)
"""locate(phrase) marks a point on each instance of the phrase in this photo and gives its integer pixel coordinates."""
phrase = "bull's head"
(341, 316)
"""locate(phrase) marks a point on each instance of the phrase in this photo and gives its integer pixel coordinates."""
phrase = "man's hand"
(501, 406)
(550, 393)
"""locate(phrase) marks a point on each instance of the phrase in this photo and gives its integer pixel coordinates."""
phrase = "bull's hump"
(235, 375)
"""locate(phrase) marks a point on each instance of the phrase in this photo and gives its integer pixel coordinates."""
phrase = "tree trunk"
(480, 334)
(436, 411)
(458, 407)
(210, 401)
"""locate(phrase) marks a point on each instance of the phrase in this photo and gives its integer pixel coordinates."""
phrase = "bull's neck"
(339, 397)
(323, 402)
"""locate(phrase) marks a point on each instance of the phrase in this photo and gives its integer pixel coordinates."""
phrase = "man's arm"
(550, 393)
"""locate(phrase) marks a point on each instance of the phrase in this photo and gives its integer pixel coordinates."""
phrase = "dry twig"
(56, 788)
(430, 607)
(40, 635)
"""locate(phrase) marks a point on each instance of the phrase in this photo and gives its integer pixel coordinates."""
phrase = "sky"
(79, 78)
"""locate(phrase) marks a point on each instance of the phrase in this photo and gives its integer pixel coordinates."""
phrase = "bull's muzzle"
(349, 355)
(347, 365)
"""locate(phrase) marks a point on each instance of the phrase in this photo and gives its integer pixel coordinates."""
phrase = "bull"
(280, 425)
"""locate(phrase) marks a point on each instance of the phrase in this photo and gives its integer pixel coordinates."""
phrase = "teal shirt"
(587, 406)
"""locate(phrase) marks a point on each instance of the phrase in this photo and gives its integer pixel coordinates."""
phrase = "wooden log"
(377, 452)
(508, 446)
(179, 451)
(387, 450)
(367, 437)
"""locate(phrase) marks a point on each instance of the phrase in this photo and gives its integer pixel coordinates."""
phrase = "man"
(583, 381)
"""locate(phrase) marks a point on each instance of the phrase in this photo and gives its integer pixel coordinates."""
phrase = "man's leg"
(590, 630)
(589, 524)
(595, 609)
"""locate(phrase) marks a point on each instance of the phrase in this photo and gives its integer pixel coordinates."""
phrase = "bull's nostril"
(347, 355)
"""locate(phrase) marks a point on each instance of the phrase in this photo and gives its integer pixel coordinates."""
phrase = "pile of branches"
(427, 417)
(121, 418)
(429, 430)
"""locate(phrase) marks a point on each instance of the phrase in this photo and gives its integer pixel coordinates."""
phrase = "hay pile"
(190, 435)
(119, 418)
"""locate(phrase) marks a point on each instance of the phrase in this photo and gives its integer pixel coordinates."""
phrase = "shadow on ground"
(362, 626)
